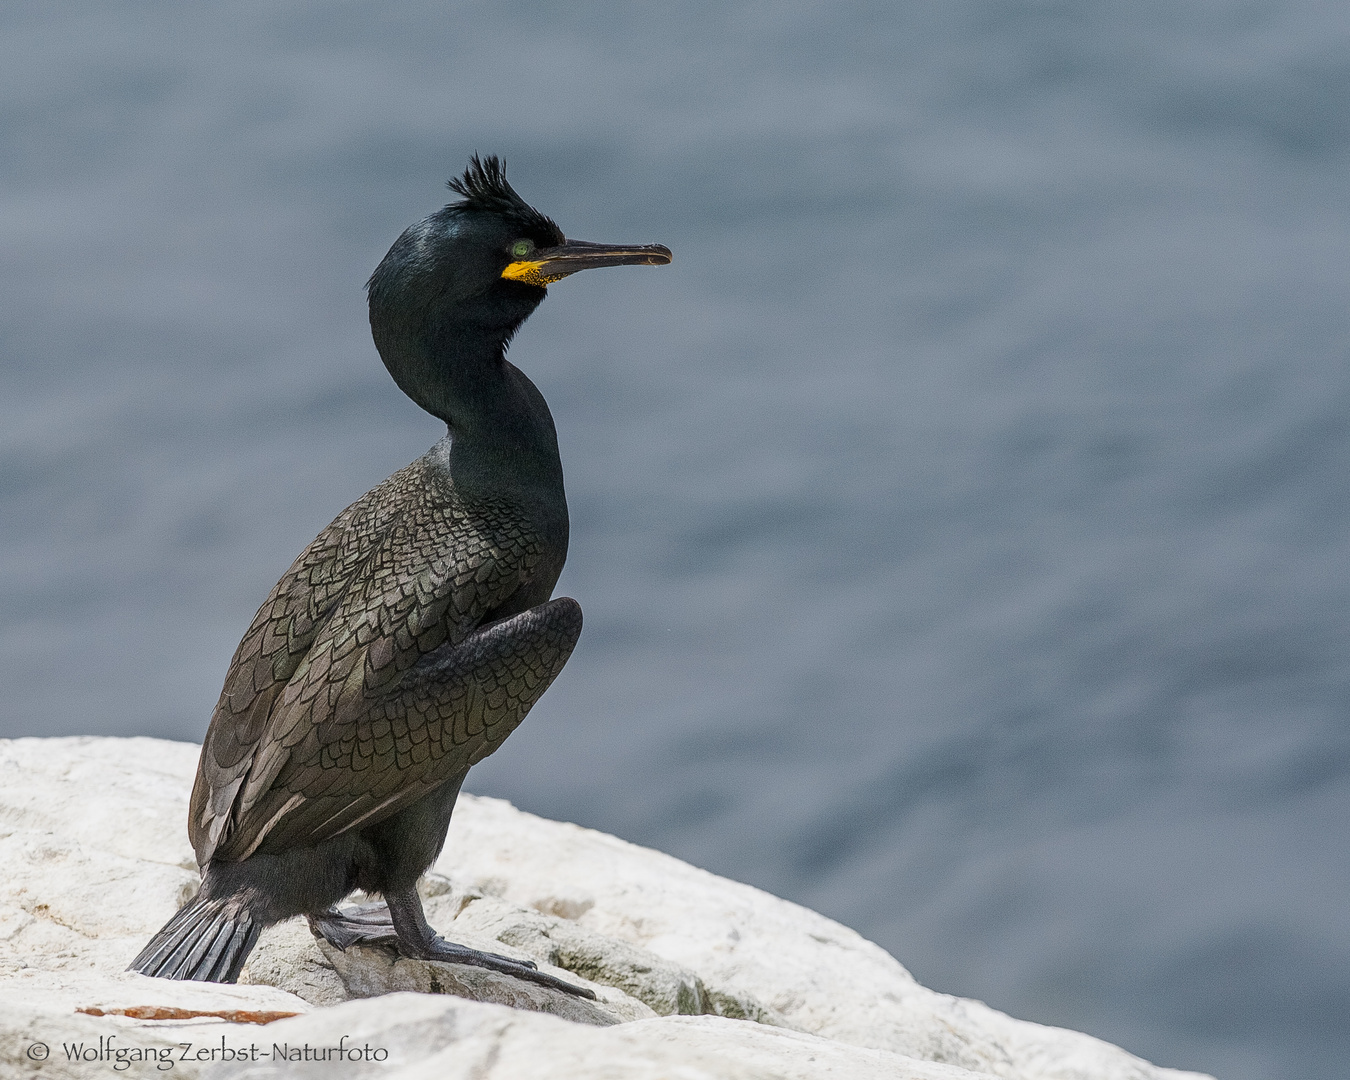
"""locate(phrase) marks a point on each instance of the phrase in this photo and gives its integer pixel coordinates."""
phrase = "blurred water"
(960, 520)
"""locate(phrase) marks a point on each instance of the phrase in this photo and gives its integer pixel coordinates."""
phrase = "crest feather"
(484, 187)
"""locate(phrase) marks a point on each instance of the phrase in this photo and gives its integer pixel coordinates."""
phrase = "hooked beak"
(547, 265)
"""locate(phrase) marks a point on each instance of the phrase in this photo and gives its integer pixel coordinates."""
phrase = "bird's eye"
(521, 248)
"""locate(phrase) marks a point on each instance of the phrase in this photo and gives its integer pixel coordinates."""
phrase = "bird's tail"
(208, 940)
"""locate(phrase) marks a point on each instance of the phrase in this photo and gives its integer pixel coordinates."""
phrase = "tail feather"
(207, 940)
(213, 948)
(162, 944)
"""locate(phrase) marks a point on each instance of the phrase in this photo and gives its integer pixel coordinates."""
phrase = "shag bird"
(415, 632)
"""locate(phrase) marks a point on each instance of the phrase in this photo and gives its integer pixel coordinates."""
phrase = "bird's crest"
(484, 187)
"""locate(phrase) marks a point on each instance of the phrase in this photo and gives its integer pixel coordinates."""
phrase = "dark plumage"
(414, 633)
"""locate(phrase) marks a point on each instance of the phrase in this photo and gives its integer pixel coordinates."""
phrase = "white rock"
(93, 839)
(451, 1039)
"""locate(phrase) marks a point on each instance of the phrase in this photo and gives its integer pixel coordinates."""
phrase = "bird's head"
(463, 280)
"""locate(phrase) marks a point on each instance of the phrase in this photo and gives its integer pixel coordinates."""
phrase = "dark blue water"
(961, 520)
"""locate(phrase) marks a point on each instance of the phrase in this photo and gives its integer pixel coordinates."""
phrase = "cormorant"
(414, 633)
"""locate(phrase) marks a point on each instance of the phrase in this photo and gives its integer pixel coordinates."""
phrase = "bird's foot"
(366, 924)
(448, 952)
(372, 924)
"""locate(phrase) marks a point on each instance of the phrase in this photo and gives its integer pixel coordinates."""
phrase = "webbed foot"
(374, 924)
(439, 949)
(365, 924)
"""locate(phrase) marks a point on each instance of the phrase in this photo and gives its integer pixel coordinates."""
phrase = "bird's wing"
(447, 713)
(274, 646)
(400, 573)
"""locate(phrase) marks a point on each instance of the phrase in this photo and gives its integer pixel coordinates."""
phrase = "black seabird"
(416, 631)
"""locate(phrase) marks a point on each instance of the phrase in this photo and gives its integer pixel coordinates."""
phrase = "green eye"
(521, 248)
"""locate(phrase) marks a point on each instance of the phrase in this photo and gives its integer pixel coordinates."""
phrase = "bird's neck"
(502, 434)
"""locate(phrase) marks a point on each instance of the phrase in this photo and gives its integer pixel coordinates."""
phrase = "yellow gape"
(532, 273)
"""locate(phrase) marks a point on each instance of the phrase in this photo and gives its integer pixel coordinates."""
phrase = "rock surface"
(696, 976)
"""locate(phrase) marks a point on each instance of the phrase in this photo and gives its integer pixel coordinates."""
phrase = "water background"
(960, 521)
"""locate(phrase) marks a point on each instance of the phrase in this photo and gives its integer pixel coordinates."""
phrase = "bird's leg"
(418, 940)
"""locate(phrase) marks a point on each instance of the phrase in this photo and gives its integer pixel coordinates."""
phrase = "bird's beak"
(547, 265)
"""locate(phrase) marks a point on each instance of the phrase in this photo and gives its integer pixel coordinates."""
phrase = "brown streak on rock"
(172, 1012)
